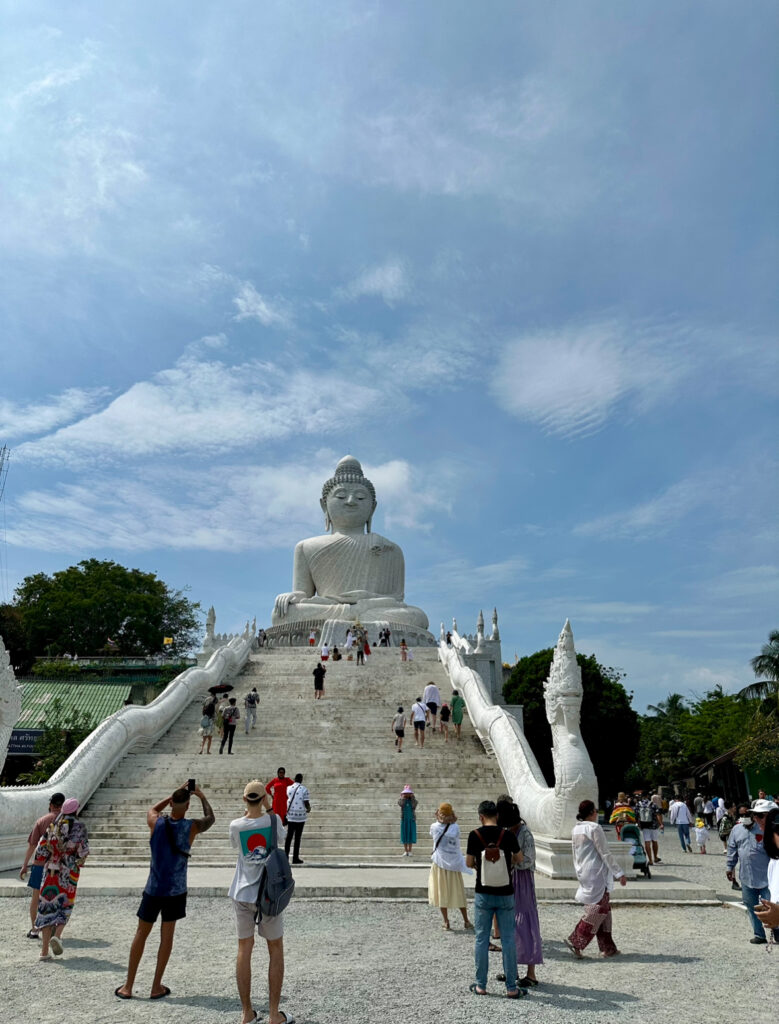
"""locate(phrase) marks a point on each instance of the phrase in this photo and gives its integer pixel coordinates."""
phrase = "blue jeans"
(484, 906)
(750, 898)
(684, 836)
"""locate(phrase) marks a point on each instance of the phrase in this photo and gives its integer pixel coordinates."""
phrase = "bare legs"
(46, 934)
(136, 952)
(243, 976)
(36, 895)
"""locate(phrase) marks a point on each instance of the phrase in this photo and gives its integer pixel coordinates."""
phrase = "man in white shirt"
(298, 808)
(419, 718)
(431, 698)
(252, 835)
(680, 816)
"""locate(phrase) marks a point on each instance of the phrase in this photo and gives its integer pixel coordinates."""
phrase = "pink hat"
(407, 789)
(70, 806)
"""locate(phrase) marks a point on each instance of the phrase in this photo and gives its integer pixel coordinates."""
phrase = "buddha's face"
(349, 506)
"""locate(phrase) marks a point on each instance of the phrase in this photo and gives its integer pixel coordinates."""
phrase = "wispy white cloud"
(656, 516)
(407, 496)
(220, 507)
(570, 380)
(253, 306)
(388, 281)
(207, 406)
(460, 577)
(23, 420)
(55, 79)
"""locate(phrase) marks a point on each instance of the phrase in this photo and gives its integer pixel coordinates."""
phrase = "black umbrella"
(221, 688)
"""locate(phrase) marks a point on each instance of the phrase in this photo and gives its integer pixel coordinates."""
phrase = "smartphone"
(191, 785)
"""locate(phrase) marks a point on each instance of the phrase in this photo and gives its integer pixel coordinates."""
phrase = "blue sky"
(520, 259)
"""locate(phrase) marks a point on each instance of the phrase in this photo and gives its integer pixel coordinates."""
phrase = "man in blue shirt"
(166, 888)
(745, 846)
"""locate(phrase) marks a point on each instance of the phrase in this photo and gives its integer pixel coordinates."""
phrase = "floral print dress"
(62, 852)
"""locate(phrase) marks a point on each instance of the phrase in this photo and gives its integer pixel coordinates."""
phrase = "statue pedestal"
(554, 857)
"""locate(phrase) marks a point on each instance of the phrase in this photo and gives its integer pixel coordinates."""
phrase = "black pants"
(294, 831)
(228, 731)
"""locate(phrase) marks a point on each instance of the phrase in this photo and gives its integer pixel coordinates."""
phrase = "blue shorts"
(35, 877)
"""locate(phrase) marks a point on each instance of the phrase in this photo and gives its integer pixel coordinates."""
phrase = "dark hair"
(586, 807)
(281, 770)
(508, 812)
(400, 708)
(58, 799)
(488, 809)
(455, 693)
(298, 777)
(770, 830)
(181, 796)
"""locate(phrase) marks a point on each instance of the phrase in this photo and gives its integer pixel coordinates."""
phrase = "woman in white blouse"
(596, 870)
(445, 888)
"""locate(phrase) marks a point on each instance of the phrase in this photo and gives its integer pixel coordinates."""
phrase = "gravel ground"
(376, 962)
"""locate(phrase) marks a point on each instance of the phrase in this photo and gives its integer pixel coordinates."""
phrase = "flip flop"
(476, 990)
(161, 995)
(120, 995)
(518, 993)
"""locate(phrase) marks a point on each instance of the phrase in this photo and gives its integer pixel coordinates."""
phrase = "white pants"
(251, 719)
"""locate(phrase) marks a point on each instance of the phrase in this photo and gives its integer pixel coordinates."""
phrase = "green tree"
(766, 664)
(87, 606)
(63, 731)
(716, 723)
(660, 754)
(15, 639)
(606, 711)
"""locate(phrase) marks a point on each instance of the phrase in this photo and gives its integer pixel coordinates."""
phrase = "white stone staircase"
(343, 745)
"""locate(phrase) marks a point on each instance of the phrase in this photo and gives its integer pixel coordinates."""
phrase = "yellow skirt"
(445, 888)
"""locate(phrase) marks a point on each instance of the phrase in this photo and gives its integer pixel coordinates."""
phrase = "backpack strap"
(446, 829)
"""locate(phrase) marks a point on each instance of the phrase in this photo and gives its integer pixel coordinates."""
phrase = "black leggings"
(228, 731)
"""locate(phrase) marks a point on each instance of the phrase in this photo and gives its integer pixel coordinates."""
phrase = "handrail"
(92, 761)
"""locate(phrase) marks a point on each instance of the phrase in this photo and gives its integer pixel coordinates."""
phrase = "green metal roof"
(98, 700)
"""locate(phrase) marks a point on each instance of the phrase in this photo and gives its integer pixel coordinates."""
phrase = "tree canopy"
(99, 607)
(606, 712)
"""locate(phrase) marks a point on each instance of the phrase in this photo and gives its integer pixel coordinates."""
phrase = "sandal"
(476, 990)
(517, 993)
(527, 982)
(494, 949)
(32, 934)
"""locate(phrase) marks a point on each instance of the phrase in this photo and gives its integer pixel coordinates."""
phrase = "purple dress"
(527, 931)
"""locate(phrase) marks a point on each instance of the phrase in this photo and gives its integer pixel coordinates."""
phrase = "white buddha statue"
(348, 573)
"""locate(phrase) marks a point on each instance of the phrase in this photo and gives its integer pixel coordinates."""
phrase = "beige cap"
(254, 791)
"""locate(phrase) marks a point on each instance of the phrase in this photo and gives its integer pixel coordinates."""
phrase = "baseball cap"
(763, 806)
(254, 791)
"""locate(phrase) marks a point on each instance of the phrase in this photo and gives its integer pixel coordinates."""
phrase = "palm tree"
(671, 707)
(765, 664)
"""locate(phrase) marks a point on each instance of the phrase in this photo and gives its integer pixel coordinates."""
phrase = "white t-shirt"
(297, 795)
(432, 693)
(773, 880)
(252, 838)
(419, 712)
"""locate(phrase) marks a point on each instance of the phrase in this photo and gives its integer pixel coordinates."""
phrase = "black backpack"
(647, 815)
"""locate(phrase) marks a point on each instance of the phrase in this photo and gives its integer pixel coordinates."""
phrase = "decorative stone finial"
(495, 630)
(480, 624)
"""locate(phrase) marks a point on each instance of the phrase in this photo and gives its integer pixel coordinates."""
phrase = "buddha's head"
(348, 497)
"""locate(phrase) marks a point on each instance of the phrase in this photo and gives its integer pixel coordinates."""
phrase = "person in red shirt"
(278, 790)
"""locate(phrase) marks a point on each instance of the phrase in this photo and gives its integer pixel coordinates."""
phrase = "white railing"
(101, 751)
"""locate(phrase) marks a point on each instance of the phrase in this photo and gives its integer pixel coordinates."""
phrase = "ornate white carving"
(10, 702)
(548, 811)
(91, 762)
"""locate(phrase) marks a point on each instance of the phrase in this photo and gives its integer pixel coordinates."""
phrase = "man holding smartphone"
(165, 893)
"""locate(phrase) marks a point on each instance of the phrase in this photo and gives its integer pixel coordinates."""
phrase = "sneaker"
(56, 945)
(758, 940)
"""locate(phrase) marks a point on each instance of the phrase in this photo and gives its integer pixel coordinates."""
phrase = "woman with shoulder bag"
(445, 888)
